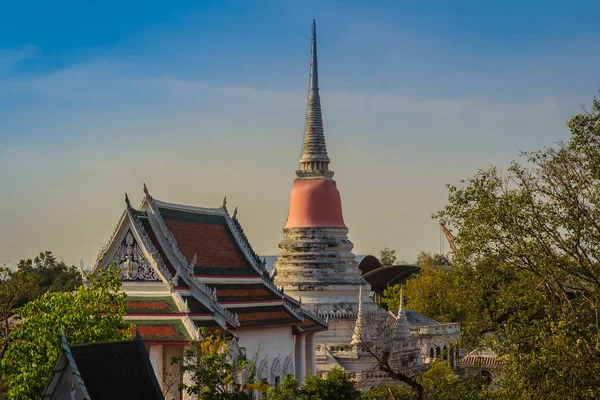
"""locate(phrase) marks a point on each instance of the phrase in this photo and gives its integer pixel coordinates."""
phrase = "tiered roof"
(186, 267)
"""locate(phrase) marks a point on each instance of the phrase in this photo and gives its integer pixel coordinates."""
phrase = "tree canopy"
(336, 386)
(91, 314)
(529, 263)
(387, 256)
(52, 275)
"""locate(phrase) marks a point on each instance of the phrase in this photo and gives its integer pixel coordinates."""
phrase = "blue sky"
(206, 99)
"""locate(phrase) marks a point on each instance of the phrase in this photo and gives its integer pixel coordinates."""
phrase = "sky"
(206, 99)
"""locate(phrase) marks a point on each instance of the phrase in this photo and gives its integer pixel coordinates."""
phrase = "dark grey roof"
(111, 371)
(416, 318)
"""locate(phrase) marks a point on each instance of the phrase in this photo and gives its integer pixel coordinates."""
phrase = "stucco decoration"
(132, 262)
(288, 365)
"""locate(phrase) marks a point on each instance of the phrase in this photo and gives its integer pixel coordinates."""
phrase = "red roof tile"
(151, 305)
(264, 315)
(210, 242)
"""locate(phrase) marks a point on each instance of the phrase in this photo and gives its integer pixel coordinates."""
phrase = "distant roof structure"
(380, 277)
(114, 370)
(485, 358)
(415, 318)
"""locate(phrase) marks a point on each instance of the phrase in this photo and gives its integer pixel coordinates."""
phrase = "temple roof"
(114, 370)
(266, 315)
(184, 264)
(151, 305)
(208, 239)
(171, 330)
(311, 323)
(415, 318)
(235, 292)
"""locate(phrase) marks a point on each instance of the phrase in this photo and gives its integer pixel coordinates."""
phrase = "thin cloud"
(9, 58)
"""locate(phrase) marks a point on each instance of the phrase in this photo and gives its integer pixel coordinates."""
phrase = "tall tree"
(92, 314)
(529, 251)
(426, 259)
(15, 288)
(52, 275)
(387, 256)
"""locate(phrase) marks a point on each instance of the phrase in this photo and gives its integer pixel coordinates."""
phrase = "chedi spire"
(401, 329)
(358, 335)
(314, 162)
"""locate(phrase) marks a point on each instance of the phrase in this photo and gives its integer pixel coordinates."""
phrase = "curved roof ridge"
(193, 209)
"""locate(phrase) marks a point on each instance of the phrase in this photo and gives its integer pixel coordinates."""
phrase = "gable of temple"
(186, 267)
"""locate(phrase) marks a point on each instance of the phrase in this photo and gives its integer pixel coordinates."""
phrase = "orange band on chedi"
(315, 203)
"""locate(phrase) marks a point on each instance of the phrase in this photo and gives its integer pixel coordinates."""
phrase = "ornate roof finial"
(401, 329)
(235, 213)
(146, 190)
(224, 201)
(127, 200)
(357, 336)
(314, 161)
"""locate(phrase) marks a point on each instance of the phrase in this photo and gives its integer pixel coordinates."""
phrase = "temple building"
(316, 265)
(185, 267)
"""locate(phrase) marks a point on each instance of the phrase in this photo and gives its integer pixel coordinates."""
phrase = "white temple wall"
(272, 348)
(171, 373)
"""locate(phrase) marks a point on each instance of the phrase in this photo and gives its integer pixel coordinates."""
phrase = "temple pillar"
(300, 355)
(188, 380)
(311, 356)
(155, 353)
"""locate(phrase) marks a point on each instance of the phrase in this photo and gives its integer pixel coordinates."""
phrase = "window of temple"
(438, 352)
(431, 353)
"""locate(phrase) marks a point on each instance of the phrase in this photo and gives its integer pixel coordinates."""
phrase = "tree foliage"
(15, 288)
(52, 275)
(439, 382)
(529, 264)
(336, 386)
(425, 259)
(430, 292)
(216, 365)
(387, 256)
(92, 314)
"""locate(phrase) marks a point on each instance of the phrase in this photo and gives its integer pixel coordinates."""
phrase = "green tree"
(426, 259)
(430, 292)
(529, 254)
(52, 275)
(389, 392)
(439, 383)
(288, 389)
(387, 256)
(336, 386)
(15, 288)
(92, 314)
(215, 366)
